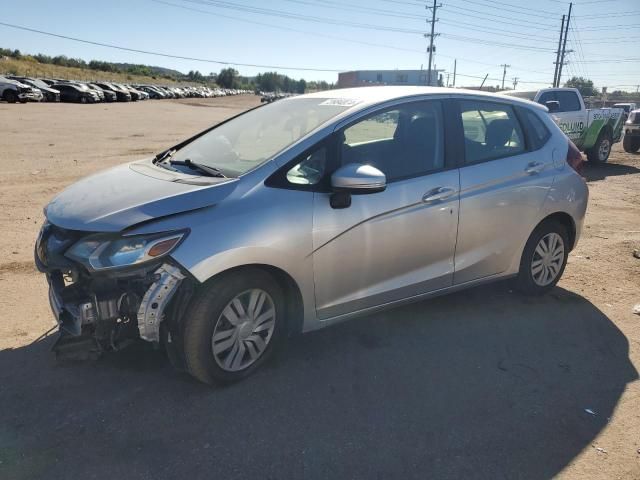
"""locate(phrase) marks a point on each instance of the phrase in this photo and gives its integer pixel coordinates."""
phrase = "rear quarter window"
(536, 131)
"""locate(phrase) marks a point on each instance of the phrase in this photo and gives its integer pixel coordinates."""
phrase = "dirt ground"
(479, 384)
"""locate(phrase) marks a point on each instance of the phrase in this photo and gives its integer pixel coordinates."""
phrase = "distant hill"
(30, 68)
(159, 71)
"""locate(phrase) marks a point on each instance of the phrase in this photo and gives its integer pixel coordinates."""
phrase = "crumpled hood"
(123, 196)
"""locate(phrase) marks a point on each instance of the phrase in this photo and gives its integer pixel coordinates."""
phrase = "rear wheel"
(631, 144)
(600, 152)
(233, 326)
(543, 259)
(83, 99)
(10, 96)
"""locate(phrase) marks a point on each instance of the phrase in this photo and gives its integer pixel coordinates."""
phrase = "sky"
(327, 36)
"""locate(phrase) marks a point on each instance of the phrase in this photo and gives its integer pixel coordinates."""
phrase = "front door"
(394, 244)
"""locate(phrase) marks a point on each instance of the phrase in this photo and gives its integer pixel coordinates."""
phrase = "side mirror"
(357, 178)
(552, 105)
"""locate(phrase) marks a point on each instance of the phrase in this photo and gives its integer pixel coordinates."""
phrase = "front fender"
(257, 226)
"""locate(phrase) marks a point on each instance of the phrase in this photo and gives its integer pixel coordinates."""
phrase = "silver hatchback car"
(306, 212)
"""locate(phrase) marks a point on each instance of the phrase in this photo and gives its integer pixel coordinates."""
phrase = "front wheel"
(233, 326)
(600, 152)
(631, 144)
(543, 259)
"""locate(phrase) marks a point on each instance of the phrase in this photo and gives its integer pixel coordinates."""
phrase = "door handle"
(438, 194)
(534, 167)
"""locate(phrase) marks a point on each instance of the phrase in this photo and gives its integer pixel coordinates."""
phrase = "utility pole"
(555, 73)
(431, 36)
(455, 66)
(504, 72)
(485, 79)
(564, 46)
(515, 82)
(447, 79)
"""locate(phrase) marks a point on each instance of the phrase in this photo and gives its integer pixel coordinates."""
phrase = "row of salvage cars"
(15, 89)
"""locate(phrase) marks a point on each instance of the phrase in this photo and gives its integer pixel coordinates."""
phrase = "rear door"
(504, 180)
(571, 117)
(398, 243)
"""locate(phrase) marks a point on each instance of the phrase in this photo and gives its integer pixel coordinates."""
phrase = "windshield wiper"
(164, 155)
(211, 171)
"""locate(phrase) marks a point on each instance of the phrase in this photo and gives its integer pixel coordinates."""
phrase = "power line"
(496, 32)
(467, 39)
(502, 8)
(357, 8)
(280, 27)
(296, 16)
(306, 32)
(530, 24)
(612, 14)
(483, 41)
(167, 55)
(576, 36)
(537, 10)
(519, 24)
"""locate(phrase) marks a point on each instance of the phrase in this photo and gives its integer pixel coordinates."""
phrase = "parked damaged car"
(13, 91)
(76, 94)
(50, 94)
(309, 211)
(122, 94)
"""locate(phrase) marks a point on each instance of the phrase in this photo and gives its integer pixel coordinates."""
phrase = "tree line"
(64, 61)
(267, 82)
(226, 78)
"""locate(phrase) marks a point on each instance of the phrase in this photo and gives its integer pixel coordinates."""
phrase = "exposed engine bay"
(99, 311)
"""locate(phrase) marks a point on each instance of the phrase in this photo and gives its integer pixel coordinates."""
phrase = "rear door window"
(491, 131)
(569, 101)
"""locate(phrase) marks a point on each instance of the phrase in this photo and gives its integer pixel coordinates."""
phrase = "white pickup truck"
(594, 130)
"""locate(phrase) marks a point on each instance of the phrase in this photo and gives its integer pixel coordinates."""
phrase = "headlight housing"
(102, 252)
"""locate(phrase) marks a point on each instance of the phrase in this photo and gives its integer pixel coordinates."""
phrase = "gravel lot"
(479, 384)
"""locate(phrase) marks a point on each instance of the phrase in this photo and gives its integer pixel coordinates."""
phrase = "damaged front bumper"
(96, 312)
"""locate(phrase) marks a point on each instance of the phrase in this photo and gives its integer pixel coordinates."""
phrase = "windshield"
(526, 95)
(247, 141)
(36, 83)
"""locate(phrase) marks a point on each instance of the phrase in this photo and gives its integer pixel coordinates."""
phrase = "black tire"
(631, 144)
(204, 313)
(594, 154)
(10, 96)
(525, 281)
(83, 99)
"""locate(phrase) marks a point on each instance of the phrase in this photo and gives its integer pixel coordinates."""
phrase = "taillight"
(574, 158)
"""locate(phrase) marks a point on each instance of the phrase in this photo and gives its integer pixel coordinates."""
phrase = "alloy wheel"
(603, 151)
(548, 258)
(243, 330)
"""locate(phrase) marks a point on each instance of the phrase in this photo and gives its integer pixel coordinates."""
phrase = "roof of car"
(363, 96)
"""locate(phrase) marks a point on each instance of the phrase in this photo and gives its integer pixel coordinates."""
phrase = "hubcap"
(605, 146)
(547, 259)
(243, 330)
